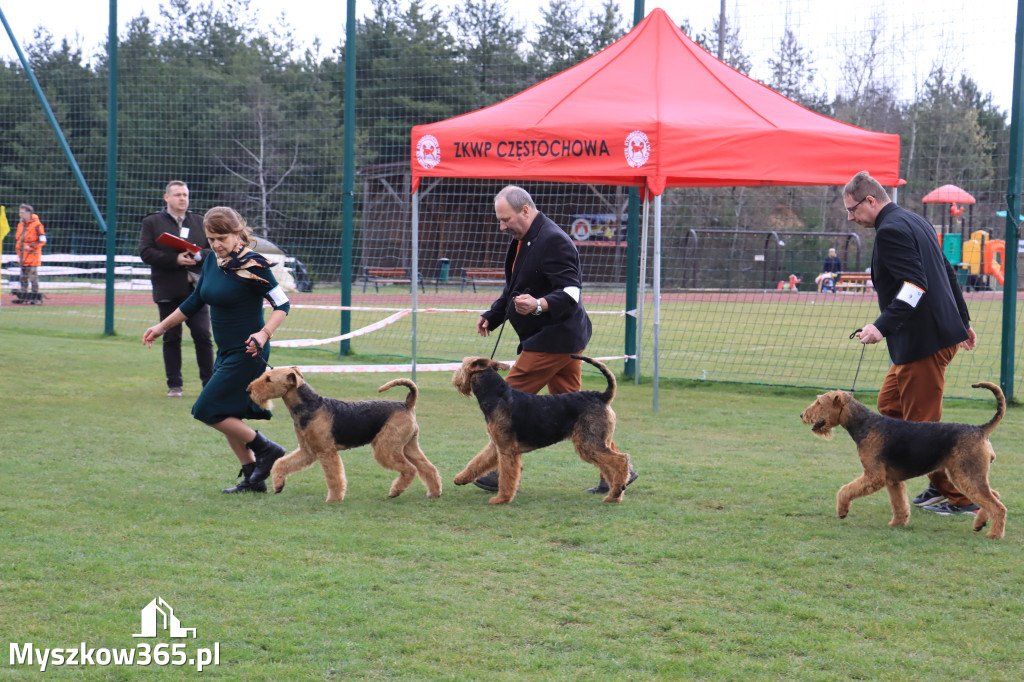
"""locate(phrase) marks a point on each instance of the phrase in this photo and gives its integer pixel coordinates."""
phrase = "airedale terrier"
(893, 450)
(518, 422)
(325, 425)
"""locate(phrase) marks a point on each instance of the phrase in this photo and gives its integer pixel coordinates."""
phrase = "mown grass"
(724, 562)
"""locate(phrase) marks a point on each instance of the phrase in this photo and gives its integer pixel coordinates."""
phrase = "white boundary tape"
(405, 369)
(303, 343)
(391, 319)
(620, 313)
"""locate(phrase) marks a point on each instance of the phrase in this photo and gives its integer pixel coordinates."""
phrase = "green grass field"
(724, 562)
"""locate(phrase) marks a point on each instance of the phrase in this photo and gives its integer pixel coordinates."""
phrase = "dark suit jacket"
(170, 280)
(547, 263)
(906, 250)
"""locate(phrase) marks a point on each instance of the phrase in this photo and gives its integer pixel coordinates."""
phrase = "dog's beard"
(822, 430)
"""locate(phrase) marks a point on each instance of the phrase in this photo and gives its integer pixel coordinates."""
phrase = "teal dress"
(236, 312)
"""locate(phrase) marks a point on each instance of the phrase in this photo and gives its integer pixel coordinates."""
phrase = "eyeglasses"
(853, 208)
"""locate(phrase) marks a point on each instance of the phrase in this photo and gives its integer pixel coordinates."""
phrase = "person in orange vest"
(31, 236)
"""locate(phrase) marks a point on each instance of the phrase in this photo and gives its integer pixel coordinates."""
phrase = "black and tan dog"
(892, 451)
(519, 422)
(325, 425)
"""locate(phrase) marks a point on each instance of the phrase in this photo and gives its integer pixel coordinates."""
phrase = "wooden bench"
(854, 281)
(389, 276)
(471, 276)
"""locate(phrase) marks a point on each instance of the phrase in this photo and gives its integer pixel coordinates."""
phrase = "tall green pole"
(108, 328)
(348, 181)
(633, 251)
(1013, 188)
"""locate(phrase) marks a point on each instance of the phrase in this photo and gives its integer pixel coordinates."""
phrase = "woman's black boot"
(267, 452)
(247, 485)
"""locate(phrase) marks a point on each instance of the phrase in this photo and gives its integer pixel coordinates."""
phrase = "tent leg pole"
(657, 293)
(643, 283)
(414, 273)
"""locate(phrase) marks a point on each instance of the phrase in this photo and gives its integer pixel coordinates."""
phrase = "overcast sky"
(973, 37)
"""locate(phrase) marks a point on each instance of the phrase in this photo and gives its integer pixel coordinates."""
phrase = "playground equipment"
(952, 195)
(995, 258)
(984, 256)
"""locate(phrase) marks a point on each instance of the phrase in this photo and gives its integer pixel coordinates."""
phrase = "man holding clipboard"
(173, 244)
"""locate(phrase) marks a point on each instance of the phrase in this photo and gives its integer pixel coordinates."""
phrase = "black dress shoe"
(602, 486)
(488, 482)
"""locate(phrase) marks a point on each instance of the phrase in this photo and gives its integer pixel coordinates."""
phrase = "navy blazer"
(906, 250)
(547, 263)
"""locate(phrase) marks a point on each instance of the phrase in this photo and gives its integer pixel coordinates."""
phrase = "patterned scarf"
(237, 265)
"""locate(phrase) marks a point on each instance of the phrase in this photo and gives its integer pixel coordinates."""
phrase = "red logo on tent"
(638, 149)
(428, 151)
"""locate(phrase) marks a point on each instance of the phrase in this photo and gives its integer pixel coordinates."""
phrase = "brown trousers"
(534, 370)
(914, 392)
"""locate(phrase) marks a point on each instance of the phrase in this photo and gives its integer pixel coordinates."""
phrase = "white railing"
(74, 271)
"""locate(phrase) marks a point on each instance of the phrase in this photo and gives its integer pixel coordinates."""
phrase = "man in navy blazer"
(924, 318)
(542, 302)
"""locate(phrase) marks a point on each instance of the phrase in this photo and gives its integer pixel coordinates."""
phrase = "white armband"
(277, 296)
(910, 294)
(574, 292)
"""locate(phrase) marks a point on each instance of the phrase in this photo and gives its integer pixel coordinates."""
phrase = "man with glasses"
(923, 319)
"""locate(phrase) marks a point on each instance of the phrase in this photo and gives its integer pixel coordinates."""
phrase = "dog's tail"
(1000, 406)
(609, 392)
(414, 393)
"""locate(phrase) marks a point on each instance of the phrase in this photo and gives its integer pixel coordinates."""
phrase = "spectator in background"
(174, 276)
(923, 319)
(29, 242)
(832, 263)
(829, 272)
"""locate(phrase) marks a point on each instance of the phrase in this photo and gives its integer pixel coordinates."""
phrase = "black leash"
(862, 347)
(508, 307)
(259, 354)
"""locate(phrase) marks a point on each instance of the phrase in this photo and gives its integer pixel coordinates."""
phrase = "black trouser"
(199, 327)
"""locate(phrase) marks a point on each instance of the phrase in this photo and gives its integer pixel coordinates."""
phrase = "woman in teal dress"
(234, 285)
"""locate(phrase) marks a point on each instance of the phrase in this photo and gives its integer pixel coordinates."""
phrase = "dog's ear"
(479, 364)
(297, 372)
(292, 379)
(501, 366)
(838, 398)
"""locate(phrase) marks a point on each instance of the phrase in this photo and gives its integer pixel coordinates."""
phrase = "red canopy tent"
(652, 110)
(653, 107)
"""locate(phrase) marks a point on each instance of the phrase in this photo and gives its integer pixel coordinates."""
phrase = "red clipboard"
(177, 243)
